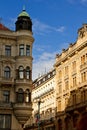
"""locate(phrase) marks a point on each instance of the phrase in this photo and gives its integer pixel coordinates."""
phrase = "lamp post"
(39, 102)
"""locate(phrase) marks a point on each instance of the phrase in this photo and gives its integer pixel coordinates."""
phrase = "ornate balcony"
(22, 111)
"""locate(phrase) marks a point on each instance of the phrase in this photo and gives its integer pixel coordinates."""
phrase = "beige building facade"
(16, 73)
(71, 82)
(70, 88)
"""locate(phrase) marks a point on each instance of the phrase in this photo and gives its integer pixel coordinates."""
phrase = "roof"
(23, 13)
(2, 27)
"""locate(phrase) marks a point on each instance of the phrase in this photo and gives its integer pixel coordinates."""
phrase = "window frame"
(21, 50)
(7, 72)
(7, 50)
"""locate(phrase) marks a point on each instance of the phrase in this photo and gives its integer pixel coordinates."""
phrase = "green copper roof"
(23, 13)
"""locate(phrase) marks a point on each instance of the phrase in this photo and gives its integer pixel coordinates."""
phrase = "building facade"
(16, 73)
(43, 99)
(71, 82)
(70, 88)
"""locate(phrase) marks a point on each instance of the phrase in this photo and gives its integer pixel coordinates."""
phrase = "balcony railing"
(6, 105)
(4, 80)
(83, 65)
(77, 106)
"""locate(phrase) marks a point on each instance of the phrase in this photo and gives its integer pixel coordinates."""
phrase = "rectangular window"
(74, 81)
(66, 70)
(66, 85)
(21, 50)
(60, 88)
(7, 50)
(6, 95)
(59, 105)
(74, 66)
(83, 76)
(28, 50)
(83, 59)
(60, 74)
(5, 121)
(74, 99)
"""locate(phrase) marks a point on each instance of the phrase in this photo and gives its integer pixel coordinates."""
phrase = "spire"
(24, 8)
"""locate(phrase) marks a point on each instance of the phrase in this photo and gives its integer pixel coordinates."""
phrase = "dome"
(23, 14)
(23, 21)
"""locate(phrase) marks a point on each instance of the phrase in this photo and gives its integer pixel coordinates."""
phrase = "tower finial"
(23, 7)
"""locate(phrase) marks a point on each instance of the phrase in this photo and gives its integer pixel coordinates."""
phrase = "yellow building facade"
(71, 82)
(70, 88)
(16, 73)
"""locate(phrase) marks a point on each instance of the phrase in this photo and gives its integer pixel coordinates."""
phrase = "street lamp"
(39, 102)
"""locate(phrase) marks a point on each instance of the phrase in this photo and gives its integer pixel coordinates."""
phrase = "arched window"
(20, 95)
(21, 72)
(27, 96)
(7, 72)
(28, 72)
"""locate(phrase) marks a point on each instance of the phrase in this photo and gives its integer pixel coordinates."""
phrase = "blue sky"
(55, 26)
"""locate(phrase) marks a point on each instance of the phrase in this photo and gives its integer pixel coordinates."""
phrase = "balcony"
(76, 106)
(83, 66)
(81, 84)
(22, 111)
(6, 105)
(8, 81)
(23, 81)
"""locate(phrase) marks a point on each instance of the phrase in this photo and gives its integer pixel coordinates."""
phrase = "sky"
(55, 26)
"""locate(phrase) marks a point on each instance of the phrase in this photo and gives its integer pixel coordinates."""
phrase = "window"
(8, 50)
(5, 121)
(83, 95)
(66, 101)
(74, 81)
(27, 50)
(59, 105)
(66, 85)
(60, 74)
(21, 50)
(27, 72)
(60, 88)
(6, 95)
(74, 66)
(7, 72)
(83, 76)
(20, 96)
(83, 59)
(28, 96)
(73, 99)
(66, 70)
(21, 72)
(59, 124)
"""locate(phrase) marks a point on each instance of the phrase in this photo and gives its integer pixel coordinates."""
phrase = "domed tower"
(23, 68)
(23, 22)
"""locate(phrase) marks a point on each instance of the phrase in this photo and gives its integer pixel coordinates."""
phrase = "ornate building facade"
(71, 82)
(70, 88)
(43, 100)
(16, 73)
